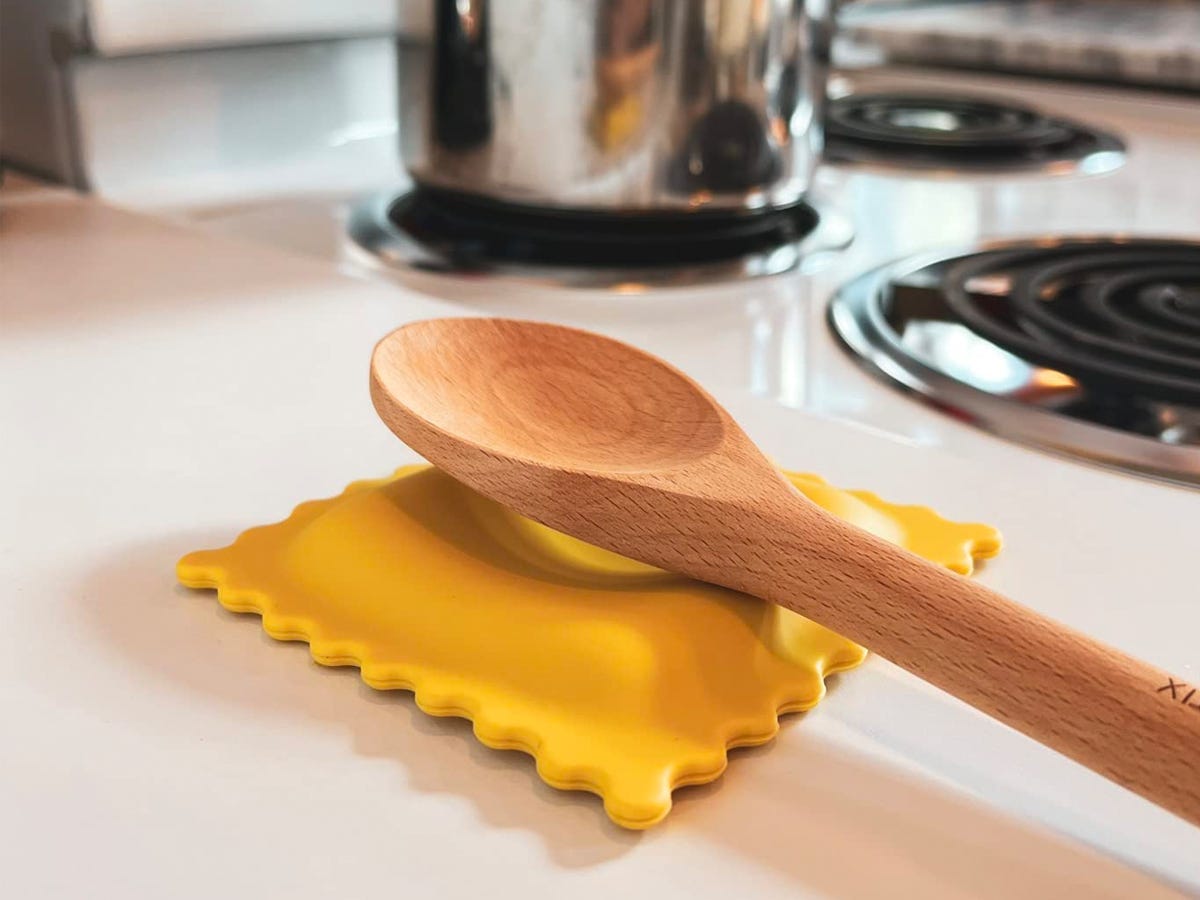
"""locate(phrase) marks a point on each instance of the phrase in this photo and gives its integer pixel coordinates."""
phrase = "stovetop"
(763, 345)
(767, 335)
(222, 382)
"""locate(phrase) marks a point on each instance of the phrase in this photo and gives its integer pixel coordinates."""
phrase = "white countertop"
(162, 388)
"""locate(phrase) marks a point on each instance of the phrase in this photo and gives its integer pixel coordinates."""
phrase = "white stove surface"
(239, 765)
(766, 336)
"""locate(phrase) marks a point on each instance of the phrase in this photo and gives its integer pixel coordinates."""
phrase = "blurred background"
(120, 95)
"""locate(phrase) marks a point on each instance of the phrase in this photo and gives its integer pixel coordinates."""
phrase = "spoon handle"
(1115, 714)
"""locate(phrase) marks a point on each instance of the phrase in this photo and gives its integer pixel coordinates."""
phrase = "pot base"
(434, 229)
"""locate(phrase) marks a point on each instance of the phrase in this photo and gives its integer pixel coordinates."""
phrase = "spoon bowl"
(546, 395)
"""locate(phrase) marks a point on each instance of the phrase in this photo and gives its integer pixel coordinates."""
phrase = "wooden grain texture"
(609, 444)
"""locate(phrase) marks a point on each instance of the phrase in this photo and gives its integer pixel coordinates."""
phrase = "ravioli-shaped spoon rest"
(619, 678)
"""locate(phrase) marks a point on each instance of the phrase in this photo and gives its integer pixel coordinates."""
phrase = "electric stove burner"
(1089, 347)
(438, 230)
(962, 133)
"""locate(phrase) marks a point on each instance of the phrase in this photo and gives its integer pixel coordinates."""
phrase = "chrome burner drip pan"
(1088, 347)
(959, 134)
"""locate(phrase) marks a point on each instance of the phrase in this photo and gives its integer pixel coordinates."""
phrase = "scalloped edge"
(701, 768)
(697, 769)
(978, 547)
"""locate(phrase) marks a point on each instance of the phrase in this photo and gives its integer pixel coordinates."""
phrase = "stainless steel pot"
(626, 106)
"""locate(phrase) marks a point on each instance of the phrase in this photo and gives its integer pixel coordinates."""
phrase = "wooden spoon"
(609, 444)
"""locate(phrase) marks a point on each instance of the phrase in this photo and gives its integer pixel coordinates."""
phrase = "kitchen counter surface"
(161, 389)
